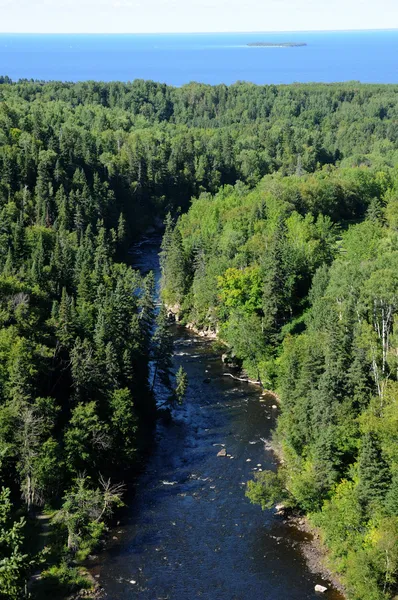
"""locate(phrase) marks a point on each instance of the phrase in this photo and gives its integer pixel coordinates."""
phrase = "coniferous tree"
(391, 499)
(166, 240)
(15, 565)
(162, 349)
(374, 474)
(181, 385)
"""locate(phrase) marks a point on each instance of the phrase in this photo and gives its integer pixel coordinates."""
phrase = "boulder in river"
(321, 588)
(222, 452)
(280, 509)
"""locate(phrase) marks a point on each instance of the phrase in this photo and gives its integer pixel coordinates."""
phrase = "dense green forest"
(287, 251)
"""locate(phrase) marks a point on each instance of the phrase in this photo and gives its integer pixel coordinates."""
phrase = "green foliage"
(391, 500)
(14, 563)
(60, 581)
(124, 423)
(374, 474)
(173, 265)
(289, 251)
(267, 489)
(342, 523)
(181, 385)
(84, 510)
(86, 438)
(243, 332)
(241, 288)
(162, 349)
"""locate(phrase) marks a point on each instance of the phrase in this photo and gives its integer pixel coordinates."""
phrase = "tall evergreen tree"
(374, 474)
(162, 350)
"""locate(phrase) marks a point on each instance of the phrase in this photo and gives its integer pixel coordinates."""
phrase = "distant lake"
(366, 56)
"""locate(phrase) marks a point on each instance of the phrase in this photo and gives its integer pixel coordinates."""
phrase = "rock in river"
(321, 588)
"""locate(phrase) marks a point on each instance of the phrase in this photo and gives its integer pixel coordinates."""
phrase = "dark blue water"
(370, 56)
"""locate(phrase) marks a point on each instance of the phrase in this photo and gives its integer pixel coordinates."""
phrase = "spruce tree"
(374, 474)
(147, 309)
(174, 269)
(162, 350)
(14, 563)
(166, 240)
(391, 501)
(181, 385)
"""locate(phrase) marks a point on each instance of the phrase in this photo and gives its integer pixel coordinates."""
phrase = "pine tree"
(274, 283)
(66, 320)
(181, 385)
(122, 307)
(122, 234)
(102, 255)
(64, 216)
(391, 501)
(18, 242)
(166, 240)
(147, 309)
(21, 370)
(162, 349)
(374, 474)
(14, 563)
(84, 368)
(86, 439)
(174, 269)
(38, 259)
(100, 334)
(124, 422)
(111, 364)
(8, 265)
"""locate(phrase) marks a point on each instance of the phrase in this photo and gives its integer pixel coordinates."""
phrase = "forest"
(281, 234)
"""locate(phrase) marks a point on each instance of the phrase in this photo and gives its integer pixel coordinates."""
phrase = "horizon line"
(260, 31)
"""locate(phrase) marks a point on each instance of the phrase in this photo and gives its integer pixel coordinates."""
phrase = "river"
(189, 531)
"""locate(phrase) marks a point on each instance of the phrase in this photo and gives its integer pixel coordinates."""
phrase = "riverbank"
(210, 334)
(314, 552)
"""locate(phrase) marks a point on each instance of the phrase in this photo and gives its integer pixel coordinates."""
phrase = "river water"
(189, 531)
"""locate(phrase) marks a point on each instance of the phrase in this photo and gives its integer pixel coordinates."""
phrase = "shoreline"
(314, 552)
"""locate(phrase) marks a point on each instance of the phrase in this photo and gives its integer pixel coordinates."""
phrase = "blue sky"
(140, 16)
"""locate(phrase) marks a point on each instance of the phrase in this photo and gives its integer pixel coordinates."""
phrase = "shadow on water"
(189, 531)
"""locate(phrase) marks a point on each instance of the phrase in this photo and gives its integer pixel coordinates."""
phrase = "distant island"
(276, 45)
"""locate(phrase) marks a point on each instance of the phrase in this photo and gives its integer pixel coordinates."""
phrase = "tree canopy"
(281, 236)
